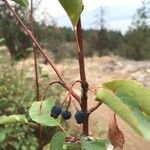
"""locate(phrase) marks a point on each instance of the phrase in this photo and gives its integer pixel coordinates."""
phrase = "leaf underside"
(134, 89)
(57, 141)
(131, 101)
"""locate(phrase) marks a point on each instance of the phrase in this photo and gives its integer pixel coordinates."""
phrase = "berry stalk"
(40, 128)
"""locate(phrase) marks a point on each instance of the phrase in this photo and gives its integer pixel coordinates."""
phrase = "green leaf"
(57, 141)
(46, 147)
(2, 40)
(12, 119)
(43, 116)
(72, 146)
(44, 74)
(128, 109)
(134, 89)
(96, 144)
(2, 135)
(22, 2)
(73, 9)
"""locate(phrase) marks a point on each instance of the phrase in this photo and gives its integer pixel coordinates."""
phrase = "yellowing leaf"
(115, 134)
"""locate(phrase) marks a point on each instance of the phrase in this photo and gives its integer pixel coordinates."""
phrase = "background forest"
(59, 41)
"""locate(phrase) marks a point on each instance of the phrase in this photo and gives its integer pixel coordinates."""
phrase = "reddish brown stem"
(39, 129)
(77, 81)
(81, 52)
(84, 84)
(32, 125)
(46, 89)
(36, 75)
(41, 50)
(34, 52)
(94, 108)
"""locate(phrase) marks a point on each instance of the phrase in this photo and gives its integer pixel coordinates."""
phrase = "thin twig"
(77, 81)
(69, 92)
(34, 53)
(66, 97)
(94, 108)
(33, 125)
(75, 106)
(92, 91)
(46, 89)
(40, 128)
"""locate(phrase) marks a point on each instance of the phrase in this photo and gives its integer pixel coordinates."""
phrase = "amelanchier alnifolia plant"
(128, 98)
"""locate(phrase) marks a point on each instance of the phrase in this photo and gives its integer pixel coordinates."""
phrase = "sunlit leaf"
(2, 134)
(22, 2)
(95, 144)
(128, 108)
(134, 89)
(73, 9)
(57, 141)
(12, 119)
(43, 116)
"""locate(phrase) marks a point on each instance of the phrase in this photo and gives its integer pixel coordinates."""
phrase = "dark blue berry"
(80, 117)
(56, 111)
(66, 115)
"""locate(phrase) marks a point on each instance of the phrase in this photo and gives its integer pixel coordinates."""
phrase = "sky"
(118, 13)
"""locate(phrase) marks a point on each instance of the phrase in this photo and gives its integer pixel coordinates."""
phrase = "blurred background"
(108, 28)
(116, 38)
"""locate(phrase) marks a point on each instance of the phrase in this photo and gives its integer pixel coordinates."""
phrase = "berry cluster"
(56, 110)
